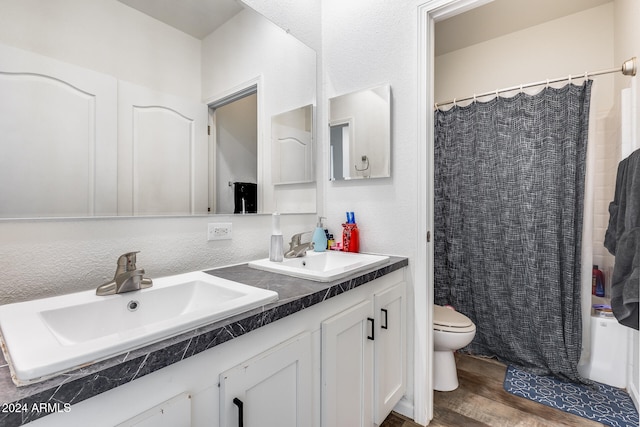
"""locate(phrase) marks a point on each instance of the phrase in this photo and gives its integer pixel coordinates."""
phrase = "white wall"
(365, 44)
(570, 45)
(301, 18)
(42, 258)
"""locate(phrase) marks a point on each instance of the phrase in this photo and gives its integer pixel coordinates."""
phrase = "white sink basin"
(45, 337)
(322, 266)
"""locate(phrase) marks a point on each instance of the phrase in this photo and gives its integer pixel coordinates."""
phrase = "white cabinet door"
(347, 363)
(390, 349)
(162, 153)
(274, 388)
(57, 138)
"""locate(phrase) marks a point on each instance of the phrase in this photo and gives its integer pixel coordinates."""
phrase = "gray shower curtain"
(509, 187)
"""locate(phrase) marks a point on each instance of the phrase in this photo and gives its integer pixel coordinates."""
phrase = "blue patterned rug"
(602, 403)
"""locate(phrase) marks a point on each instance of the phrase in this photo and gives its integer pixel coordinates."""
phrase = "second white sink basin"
(45, 337)
(322, 266)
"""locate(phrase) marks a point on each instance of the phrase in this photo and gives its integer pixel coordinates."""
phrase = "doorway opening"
(233, 148)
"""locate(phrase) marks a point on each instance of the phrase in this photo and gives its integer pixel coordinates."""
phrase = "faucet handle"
(297, 238)
(128, 261)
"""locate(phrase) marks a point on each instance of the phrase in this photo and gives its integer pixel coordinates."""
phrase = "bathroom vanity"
(325, 354)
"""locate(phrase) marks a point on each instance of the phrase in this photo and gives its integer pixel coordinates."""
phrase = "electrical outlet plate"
(219, 231)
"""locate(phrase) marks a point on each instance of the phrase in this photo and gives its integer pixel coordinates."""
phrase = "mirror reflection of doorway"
(234, 153)
(339, 146)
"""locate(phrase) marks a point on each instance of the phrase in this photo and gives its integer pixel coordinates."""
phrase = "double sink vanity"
(309, 341)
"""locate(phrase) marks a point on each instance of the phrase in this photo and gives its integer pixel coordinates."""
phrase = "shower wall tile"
(605, 151)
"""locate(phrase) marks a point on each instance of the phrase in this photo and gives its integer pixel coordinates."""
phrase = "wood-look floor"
(481, 401)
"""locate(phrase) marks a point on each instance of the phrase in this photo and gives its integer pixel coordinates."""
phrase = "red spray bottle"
(350, 234)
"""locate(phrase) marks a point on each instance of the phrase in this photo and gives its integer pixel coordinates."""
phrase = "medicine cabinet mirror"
(360, 134)
(105, 107)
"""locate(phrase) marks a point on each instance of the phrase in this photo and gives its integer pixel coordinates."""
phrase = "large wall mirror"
(110, 108)
(360, 134)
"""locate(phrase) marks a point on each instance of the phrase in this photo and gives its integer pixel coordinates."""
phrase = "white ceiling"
(502, 17)
(195, 17)
(499, 17)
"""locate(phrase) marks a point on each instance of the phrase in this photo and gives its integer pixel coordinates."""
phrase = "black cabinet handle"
(239, 404)
(373, 329)
(384, 325)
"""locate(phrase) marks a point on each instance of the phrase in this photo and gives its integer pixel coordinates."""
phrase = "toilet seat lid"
(448, 318)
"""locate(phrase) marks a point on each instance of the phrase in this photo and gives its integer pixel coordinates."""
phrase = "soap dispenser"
(319, 237)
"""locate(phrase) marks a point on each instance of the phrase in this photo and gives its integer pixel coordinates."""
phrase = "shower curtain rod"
(628, 68)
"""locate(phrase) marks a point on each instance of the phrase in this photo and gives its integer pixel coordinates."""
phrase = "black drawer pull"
(240, 405)
(384, 325)
(373, 329)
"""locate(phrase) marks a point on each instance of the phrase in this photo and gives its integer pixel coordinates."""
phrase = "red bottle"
(350, 234)
(354, 242)
(597, 284)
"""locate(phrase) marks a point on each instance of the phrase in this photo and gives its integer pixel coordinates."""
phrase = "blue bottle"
(319, 237)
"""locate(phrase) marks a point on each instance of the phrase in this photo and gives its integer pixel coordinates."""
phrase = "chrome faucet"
(127, 278)
(296, 247)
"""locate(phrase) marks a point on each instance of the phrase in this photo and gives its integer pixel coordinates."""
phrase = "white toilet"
(451, 332)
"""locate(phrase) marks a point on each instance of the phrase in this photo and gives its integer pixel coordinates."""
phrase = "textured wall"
(366, 44)
(52, 257)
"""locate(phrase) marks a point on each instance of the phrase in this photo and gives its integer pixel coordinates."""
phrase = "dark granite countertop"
(80, 384)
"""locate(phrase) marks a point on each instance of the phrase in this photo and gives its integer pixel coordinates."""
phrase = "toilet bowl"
(451, 331)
